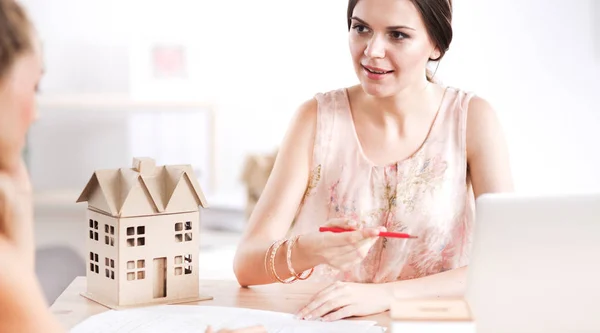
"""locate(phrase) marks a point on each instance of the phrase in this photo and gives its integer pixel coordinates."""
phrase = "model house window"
(109, 235)
(183, 232)
(94, 263)
(133, 234)
(136, 271)
(109, 266)
(93, 230)
(183, 264)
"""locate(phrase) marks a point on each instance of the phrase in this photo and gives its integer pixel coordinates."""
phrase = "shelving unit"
(76, 135)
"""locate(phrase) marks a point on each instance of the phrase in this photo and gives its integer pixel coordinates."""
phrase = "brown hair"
(437, 17)
(15, 34)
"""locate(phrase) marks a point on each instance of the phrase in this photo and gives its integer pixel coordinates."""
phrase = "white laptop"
(535, 265)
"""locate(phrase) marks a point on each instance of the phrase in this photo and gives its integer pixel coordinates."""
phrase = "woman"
(22, 305)
(398, 152)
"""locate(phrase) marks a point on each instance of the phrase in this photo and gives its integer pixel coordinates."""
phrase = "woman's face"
(389, 45)
(17, 106)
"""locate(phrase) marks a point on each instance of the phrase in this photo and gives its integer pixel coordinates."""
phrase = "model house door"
(160, 277)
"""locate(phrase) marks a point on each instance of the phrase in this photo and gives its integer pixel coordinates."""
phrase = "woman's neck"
(415, 101)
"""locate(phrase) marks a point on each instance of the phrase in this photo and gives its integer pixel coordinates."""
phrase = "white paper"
(195, 319)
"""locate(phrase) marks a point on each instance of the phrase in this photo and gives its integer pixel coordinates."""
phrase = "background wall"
(536, 61)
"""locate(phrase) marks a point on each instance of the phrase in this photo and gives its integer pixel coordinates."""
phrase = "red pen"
(381, 233)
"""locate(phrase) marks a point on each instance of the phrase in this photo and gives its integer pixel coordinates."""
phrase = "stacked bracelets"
(270, 261)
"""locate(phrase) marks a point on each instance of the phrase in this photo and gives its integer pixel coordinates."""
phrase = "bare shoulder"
(480, 110)
(306, 114)
(302, 128)
(483, 125)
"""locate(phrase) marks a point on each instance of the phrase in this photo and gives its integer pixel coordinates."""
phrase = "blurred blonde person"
(22, 305)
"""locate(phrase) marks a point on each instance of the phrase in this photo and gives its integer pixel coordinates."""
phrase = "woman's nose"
(375, 48)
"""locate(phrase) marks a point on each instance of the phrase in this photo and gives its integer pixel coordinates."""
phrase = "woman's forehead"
(388, 13)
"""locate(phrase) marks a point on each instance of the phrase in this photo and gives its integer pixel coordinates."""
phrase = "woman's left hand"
(347, 299)
(16, 211)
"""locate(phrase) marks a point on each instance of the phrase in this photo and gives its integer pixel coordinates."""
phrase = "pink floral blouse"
(428, 194)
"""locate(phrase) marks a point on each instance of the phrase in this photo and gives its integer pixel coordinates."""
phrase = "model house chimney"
(144, 165)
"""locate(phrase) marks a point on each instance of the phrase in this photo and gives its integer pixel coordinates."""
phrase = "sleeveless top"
(428, 194)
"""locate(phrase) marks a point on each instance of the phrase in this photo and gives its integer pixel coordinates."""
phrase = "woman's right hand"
(339, 250)
(16, 213)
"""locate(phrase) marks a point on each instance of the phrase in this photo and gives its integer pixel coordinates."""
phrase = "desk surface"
(71, 308)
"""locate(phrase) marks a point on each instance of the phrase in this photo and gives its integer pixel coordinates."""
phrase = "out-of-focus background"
(215, 83)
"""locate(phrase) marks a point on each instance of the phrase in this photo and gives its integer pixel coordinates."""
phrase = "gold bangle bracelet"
(289, 261)
(267, 256)
(273, 255)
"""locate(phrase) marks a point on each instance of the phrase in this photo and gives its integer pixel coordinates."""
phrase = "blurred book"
(431, 316)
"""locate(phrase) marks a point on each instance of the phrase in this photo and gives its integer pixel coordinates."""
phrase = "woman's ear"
(435, 55)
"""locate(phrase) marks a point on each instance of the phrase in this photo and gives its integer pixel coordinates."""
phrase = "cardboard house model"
(143, 235)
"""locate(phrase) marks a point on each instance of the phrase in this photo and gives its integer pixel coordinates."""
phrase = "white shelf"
(228, 200)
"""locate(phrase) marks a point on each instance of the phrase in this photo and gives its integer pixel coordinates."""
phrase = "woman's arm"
(16, 212)
(22, 304)
(450, 283)
(278, 204)
(487, 151)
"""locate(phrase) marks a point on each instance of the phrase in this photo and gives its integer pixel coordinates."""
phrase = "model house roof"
(144, 189)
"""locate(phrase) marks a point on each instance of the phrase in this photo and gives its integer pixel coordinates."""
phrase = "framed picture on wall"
(169, 61)
(167, 70)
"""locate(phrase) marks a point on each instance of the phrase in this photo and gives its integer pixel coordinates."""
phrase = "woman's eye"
(398, 35)
(360, 28)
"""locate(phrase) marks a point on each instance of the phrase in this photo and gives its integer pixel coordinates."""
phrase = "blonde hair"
(15, 34)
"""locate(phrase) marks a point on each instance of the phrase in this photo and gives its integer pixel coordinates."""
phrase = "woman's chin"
(379, 90)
